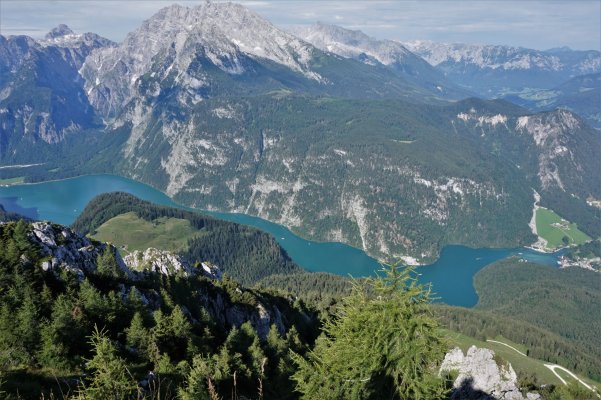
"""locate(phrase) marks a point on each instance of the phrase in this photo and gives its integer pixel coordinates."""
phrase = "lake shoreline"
(451, 274)
(405, 259)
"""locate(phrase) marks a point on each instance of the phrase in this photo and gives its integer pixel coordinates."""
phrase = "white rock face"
(481, 120)
(167, 263)
(478, 370)
(211, 270)
(353, 44)
(67, 250)
(550, 132)
(175, 37)
(154, 260)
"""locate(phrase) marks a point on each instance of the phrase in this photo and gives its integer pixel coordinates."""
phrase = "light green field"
(519, 362)
(128, 231)
(553, 228)
(12, 181)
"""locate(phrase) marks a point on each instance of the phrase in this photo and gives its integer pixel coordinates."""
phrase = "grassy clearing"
(553, 229)
(12, 181)
(133, 233)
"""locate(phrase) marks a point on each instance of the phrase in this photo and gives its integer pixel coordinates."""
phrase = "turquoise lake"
(451, 276)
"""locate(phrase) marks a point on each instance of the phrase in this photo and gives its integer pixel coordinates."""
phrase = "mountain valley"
(218, 205)
(273, 128)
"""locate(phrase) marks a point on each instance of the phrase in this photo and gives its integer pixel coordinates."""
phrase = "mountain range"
(332, 133)
(491, 70)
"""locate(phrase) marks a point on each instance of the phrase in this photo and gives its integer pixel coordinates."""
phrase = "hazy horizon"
(531, 24)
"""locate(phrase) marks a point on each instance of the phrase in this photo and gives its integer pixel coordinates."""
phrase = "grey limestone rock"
(480, 376)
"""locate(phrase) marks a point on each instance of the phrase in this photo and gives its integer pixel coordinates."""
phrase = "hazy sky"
(529, 23)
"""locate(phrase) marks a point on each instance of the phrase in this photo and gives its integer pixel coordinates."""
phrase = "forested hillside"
(536, 293)
(8, 216)
(564, 301)
(245, 253)
(76, 323)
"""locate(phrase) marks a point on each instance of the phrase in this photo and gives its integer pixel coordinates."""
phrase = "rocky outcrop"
(481, 377)
(210, 270)
(64, 249)
(228, 312)
(159, 261)
(163, 262)
(261, 314)
(57, 249)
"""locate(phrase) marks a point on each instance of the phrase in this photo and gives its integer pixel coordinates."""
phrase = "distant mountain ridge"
(357, 45)
(491, 70)
(41, 92)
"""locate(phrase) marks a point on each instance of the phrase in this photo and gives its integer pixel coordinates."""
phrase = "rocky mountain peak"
(352, 43)
(59, 31)
(226, 24)
(181, 42)
(222, 25)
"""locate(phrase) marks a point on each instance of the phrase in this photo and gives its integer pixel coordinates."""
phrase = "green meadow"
(554, 229)
(130, 232)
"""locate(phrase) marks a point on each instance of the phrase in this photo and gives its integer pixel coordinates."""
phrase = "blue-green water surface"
(451, 276)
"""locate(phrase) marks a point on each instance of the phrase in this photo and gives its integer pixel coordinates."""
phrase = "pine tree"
(197, 381)
(27, 326)
(63, 336)
(138, 336)
(383, 344)
(110, 378)
(180, 327)
(107, 264)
